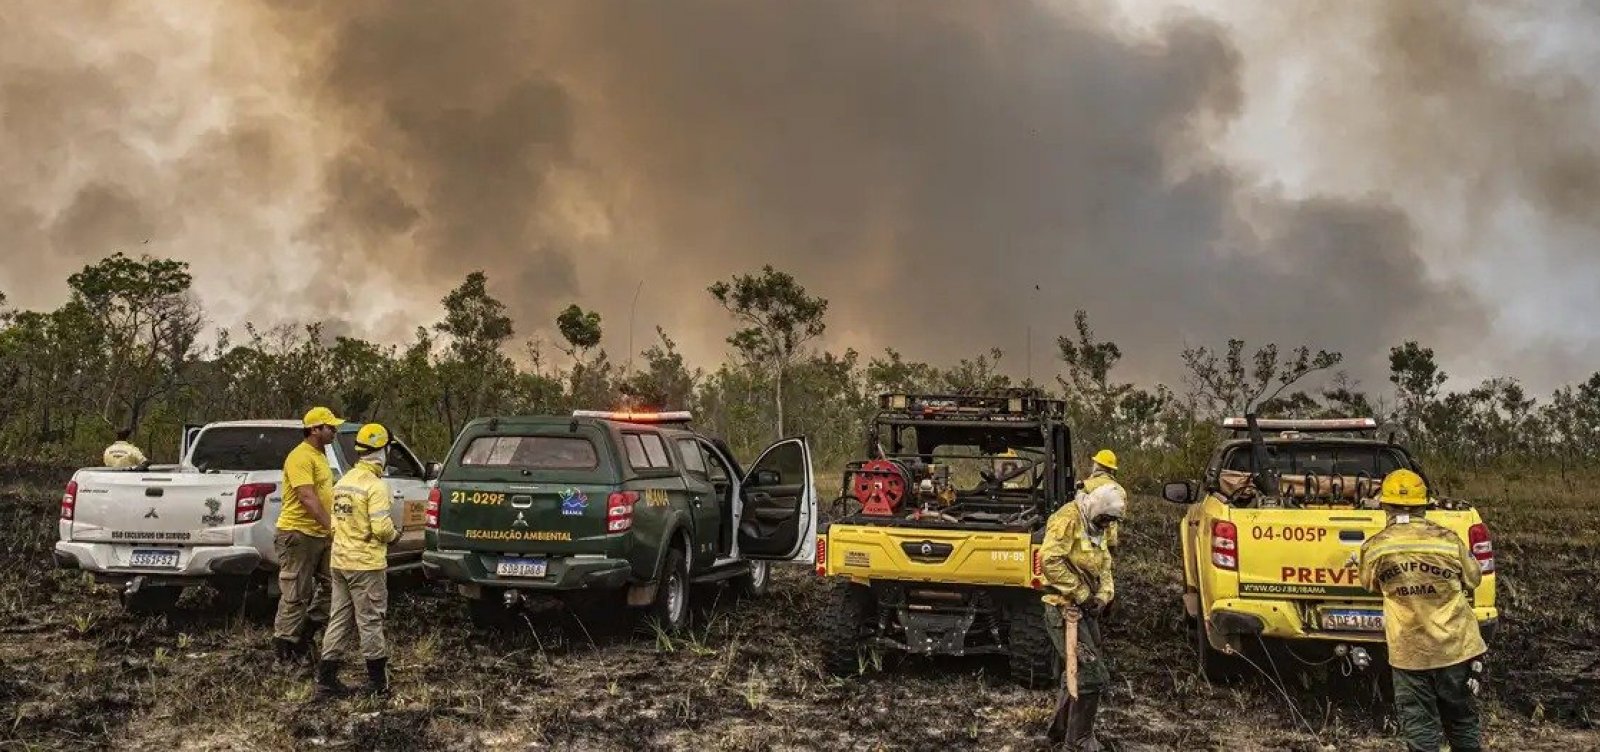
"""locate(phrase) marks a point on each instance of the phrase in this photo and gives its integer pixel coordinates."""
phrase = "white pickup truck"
(154, 531)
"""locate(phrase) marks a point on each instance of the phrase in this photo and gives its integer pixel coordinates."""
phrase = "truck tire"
(151, 601)
(1033, 659)
(846, 623)
(1214, 666)
(670, 609)
(753, 584)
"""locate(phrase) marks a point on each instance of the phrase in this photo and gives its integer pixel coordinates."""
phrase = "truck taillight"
(432, 514)
(822, 556)
(619, 511)
(69, 501)
(1225, 545)
(1482, 547)
(1038, 570)
(249, 500)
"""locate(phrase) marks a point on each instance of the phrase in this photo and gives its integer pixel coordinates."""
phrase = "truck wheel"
(152, 600)
(754, 584)
(1215, 666)
(670, 609)
(1034, 662)
(846, 624)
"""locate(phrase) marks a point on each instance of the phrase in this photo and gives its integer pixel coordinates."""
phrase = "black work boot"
(1080, 723)
(286, 651)
(328, 685)
(308, 639)
(1058, 720)
(378, 677)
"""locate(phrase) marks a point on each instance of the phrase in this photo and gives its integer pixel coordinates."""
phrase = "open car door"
(778, 505)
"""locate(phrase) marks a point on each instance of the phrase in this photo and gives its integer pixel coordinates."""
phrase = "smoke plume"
(951, 176)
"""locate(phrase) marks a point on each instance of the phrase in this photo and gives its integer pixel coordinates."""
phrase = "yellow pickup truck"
(1271, 547)
(933, 546)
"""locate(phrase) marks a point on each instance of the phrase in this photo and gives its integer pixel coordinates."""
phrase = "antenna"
(631, 309)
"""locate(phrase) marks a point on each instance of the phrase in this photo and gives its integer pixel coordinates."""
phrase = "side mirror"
(1180, 492)
(768, 478)
(432, 471)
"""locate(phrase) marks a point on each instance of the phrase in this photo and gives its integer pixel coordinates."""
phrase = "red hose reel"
(880, 486)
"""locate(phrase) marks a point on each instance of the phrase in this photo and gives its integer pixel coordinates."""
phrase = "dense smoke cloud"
(950, 176)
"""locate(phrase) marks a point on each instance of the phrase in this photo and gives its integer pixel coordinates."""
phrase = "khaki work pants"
(360, 601)
(302, 568)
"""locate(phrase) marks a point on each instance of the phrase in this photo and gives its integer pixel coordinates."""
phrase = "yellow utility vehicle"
(934, 542)
(1271, 546)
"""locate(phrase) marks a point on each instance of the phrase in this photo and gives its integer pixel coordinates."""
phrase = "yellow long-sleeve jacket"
(1077, 566)
(362, 527)
(1425, 574)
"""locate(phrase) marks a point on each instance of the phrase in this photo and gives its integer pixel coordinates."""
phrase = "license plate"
(163, 559)
(520, 567)
(1353, 621)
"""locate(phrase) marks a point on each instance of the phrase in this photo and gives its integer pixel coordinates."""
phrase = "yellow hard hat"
(1403, 488)
(1106, 459)
(372, 437)
(321, 416)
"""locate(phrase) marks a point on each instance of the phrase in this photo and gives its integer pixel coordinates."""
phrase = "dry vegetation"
(77, 673)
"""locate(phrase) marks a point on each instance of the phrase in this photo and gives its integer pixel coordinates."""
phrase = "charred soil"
(78, 673)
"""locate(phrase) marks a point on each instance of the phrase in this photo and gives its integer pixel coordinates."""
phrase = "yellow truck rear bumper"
(1233, 619)
(864, 553)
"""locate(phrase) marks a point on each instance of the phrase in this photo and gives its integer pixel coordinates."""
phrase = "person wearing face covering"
(1076, 558)
(362, 532)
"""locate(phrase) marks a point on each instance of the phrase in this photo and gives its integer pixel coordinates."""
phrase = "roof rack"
(1304, 425)
(1001, 406)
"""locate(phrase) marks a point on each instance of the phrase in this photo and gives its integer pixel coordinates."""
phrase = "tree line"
(128, 350)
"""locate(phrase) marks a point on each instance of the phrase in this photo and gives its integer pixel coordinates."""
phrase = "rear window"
(535, 452)
(244, 449)
(1373, 462)
(646, 451)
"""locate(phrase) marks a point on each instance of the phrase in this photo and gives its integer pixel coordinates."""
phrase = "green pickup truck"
(601, 503)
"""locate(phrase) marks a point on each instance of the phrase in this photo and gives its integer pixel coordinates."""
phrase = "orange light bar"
(679, 416)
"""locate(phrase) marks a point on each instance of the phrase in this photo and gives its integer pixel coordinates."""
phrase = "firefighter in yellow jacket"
(1076, 558)
(1426, 574)
(362, 532)
(1104, 473)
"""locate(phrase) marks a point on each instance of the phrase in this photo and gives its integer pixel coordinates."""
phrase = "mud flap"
(642, 595)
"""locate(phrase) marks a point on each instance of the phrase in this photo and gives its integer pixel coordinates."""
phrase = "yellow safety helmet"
(371, 438)
(321, 416)
(1106, 459)
(1403, 488)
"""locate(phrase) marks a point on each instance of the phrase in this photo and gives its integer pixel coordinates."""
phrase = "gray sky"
(1344, 174)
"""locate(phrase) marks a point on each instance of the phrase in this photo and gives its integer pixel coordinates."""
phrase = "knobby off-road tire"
(1214, 666)
(670, 609)
(754, 584)
(1032, 656)
(846, 624)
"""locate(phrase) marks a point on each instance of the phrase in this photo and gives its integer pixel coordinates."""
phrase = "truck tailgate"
(948, 556)
(177, 508)
(1303, 553)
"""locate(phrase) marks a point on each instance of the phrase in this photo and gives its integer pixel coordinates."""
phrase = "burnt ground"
(78, 673)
